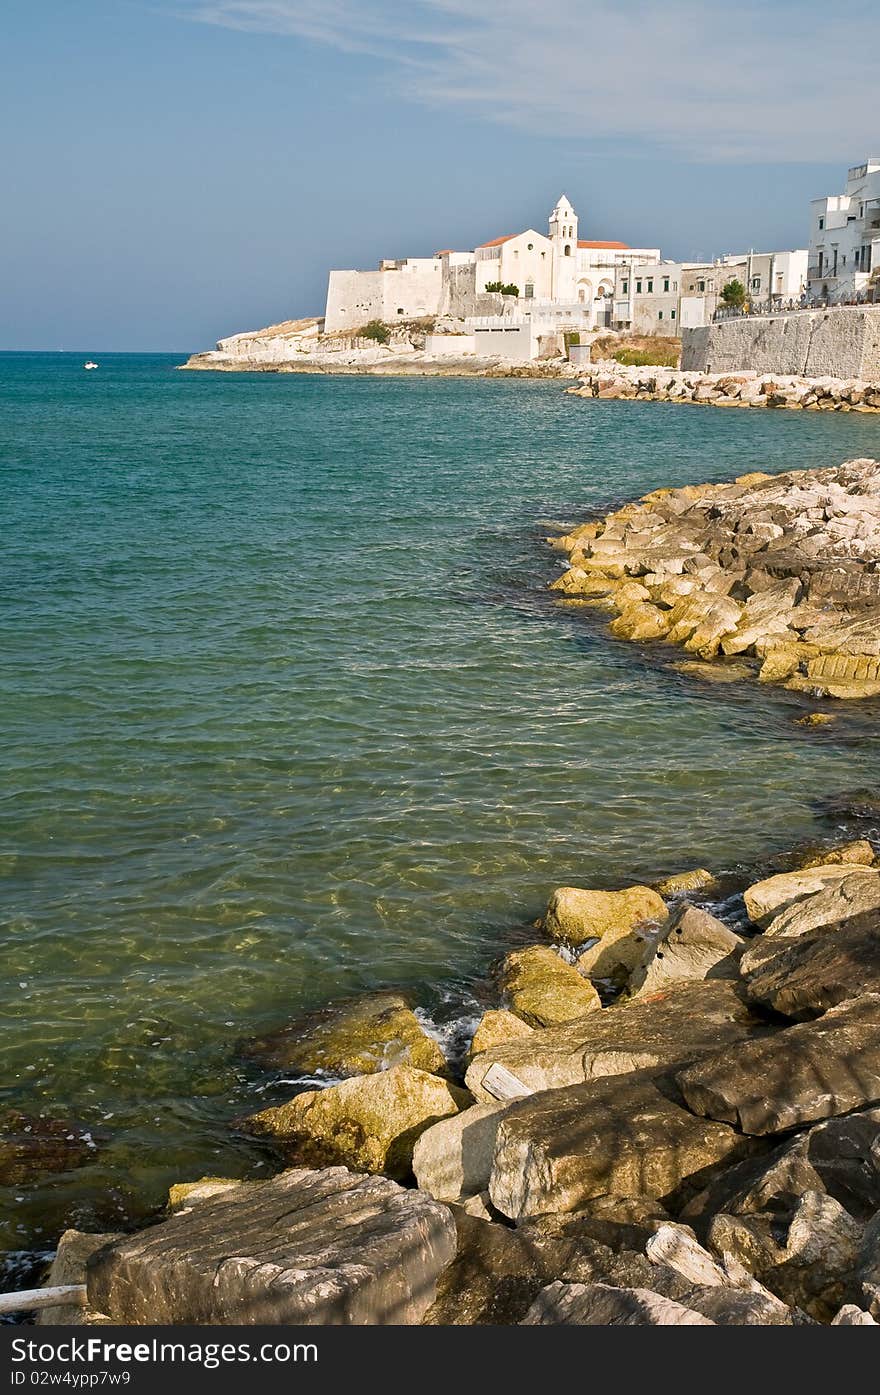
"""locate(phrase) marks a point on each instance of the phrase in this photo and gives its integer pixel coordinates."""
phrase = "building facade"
(666, 297)
(845, 238)
(553, 268)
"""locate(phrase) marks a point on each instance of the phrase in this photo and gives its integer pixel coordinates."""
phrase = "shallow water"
(286, 713)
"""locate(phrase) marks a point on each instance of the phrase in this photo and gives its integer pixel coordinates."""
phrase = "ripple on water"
(286, 715)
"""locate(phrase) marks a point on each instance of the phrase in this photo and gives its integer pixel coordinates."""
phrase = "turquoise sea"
(286, 713)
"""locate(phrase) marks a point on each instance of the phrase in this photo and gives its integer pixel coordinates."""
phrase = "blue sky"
(183, 169)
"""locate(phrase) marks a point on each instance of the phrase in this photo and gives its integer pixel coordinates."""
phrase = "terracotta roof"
(497, 241)
(446, 252)
(621, 246)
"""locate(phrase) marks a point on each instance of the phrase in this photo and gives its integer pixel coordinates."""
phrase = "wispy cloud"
(790, 80)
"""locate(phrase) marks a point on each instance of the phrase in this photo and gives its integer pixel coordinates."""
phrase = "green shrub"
(376, 330)
(664, 356)
(500, 288)
(734, 295)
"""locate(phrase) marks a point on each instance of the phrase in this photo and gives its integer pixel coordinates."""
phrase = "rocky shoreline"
(668, 1113)
(778, 574)
(666, 1118)
(388, 365)
(611, 381)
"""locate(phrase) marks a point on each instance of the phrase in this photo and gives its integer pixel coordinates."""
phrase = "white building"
(666, 297)
(845, 238)
(556, 268)
(531, 329)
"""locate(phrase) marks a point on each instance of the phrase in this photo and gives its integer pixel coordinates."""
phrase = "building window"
(756, 283)
(701, 286)
(531, 247)
(672, 314)
(659, 314)
(821, 224)
(666, 283)
(529, 291)
(400, 309)
(625, 288)
(567, 250)
(650, 287)
(638, 288)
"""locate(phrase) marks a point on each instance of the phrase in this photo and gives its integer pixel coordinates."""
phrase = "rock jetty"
(706, 1153)
(610, 380)
(780, 573)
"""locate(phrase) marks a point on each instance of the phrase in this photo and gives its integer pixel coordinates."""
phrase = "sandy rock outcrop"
(783, 571)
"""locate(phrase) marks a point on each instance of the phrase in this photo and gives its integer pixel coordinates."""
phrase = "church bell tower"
(564, 237)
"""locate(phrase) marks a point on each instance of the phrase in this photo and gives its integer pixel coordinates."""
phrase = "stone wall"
(842, 342)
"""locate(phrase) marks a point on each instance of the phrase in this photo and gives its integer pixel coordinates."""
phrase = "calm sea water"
(286, 713)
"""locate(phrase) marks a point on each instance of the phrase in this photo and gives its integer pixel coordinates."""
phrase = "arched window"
(529, 290)
(567, 250)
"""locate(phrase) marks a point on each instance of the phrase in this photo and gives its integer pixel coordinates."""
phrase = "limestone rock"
(351, 1038)
(766, 900)
(497, 1026)
(851, 1316)
(692, 945)
(697, 880)
(190, 1193)
(613, 918)
(855, 893)
(304, 1248)
(453, 1159)
(370, 1122)
(558, 1149)
(544, 990)
(32, 1146)
(494, 1278)
(599, 1305)
(75, 1249)
(796, 1076)
(733, 1307)
(662, 1033)
(858, 851)
(838, 1156)
(802, 976)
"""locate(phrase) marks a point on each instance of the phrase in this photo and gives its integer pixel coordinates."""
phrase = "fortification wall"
(842, 342)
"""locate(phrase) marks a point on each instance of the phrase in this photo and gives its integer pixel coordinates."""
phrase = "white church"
(558, 273)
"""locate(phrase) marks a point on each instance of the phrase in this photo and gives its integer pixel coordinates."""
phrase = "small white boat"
(89, 364)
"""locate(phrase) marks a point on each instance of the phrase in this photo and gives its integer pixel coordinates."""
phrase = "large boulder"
(576, 916)
(350, 1038)
(857, 850)
(838, 1156)
(497, 1026)
(304, 1248)
(494, 1278)
(600, 1305)
(543, 989)
(370, 1122)
(802, 976)
(796, 1076)
(75, 1249)
(767, 900)
(558, 1149)
(453, 1159)
(661, 1033)
(692, 945)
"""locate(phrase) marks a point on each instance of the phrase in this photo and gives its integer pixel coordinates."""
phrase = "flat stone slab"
(557, 1150)
(798, 1075)
(327, 1247)
(662, 1032)
(802, 977)
(599, 1305)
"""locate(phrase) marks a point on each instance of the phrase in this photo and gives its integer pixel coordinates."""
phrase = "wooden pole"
(30, 1299)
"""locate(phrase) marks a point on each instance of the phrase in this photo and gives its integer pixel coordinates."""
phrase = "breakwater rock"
(708, 1153)
(780, 571)
(731, 389)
